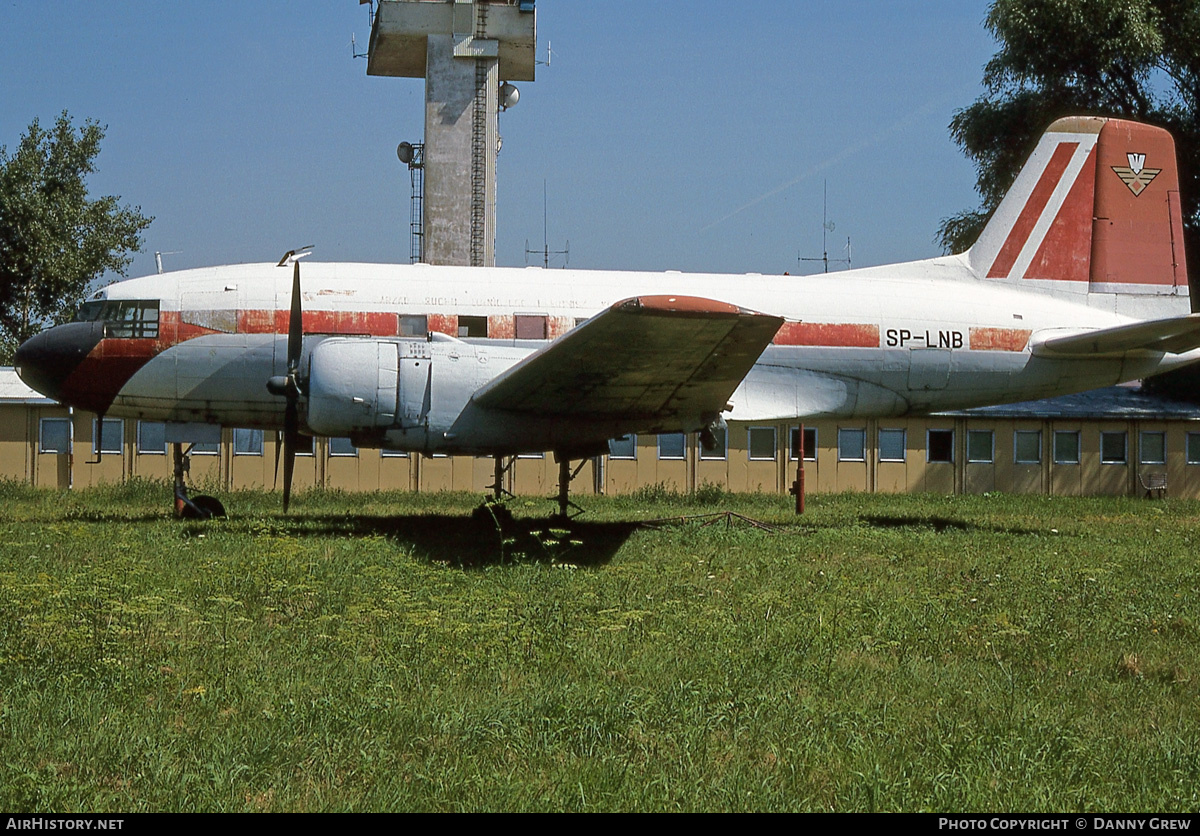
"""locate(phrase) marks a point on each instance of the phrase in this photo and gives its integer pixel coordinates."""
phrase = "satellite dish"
(405, 152)
(509, 95)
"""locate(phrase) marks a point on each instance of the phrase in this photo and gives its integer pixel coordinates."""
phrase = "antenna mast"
(827, 226)
(545, 251)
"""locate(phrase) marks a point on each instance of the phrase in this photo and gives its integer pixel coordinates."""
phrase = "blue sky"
(675, 134)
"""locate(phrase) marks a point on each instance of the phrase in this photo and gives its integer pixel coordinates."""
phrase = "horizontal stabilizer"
(1176, 335)
(645, 357)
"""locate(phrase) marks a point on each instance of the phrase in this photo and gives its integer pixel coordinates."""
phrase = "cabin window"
(1066, 447)
(123, 318)
(1113, 448)
(721, 450)
(810, 444)
(892, 445)
(413, 325)
(54, 435)
(1027, 446)
(472, 326)
(624, 447)
(852, 445)
(939, 446)
(762, 444)
(1153, 448)
(247, 442)
(532, 326)
(672, 445)
(107, 436)
(151, 438)
(981, 446)
(342, 448)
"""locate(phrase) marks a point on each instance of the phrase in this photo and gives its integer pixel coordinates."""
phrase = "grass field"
(387, 653)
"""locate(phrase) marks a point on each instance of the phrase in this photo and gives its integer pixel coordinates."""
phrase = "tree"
(54, 240)
(1138, 59)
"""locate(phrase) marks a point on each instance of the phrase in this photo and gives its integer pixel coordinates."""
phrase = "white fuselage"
(913, 338)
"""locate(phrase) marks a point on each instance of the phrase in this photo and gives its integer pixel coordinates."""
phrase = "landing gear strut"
(196, 507)
(565, 476)
(499, 492)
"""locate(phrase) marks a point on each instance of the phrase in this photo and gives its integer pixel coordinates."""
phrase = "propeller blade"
(291, 433)
(295, 325)
(278, 451)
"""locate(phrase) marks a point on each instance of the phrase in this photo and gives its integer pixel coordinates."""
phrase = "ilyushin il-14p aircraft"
(1078, 281)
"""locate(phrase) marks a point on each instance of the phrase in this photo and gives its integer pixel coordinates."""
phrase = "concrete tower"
(464, 50)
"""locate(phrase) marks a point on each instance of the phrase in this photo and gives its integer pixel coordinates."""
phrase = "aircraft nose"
(46, 360)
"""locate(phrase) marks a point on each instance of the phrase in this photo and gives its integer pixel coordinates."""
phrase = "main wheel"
(205, 507)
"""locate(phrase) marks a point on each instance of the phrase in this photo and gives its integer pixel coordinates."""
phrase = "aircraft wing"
(1176, 335)
(644, 357)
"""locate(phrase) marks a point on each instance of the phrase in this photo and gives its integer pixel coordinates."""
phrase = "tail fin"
(1095, 210)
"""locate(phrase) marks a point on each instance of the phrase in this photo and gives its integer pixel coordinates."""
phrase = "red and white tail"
(1095, 210)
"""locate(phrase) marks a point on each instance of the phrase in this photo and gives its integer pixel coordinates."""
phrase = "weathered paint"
(444, 324)
(1066, 251)
(999, 339)
(1032, 210)
(842, 335)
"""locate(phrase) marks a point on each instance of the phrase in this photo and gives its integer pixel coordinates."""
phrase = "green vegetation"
(389, 653)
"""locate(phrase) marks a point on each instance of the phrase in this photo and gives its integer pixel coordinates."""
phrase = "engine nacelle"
(353, 386)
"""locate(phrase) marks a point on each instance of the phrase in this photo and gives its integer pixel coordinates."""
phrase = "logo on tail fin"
(1136, 176)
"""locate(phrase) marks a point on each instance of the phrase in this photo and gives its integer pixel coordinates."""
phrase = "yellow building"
(1112, 441)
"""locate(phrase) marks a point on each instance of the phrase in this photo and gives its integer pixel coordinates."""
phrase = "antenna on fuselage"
(545, 251)
(828, 226)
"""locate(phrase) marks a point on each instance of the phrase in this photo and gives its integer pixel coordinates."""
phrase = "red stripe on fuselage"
(834, 334)
(1034, 206)
(999, 339)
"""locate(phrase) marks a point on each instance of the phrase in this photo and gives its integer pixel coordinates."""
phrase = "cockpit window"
(123, 318)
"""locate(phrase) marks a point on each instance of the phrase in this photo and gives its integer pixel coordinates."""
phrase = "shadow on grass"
(938, 524)
(471, 542)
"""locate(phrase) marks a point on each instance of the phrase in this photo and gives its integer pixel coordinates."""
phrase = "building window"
(414, 325)
(1193, 448)
(151, 438)
(1153, 448)
(939, 445)
(1027, 446)
(523, 456)
(810, 444)
(531, 326)
(761, 441)
(342, 447)
(1066, 447)
(672, 445)
(624, 447)
(472, 326)
(981, 446)
(108, 440)
(54, 435)
(394, 454)
(721, 450)
(1113, 448)
(892, 444)
(247, 442)
(852, 445)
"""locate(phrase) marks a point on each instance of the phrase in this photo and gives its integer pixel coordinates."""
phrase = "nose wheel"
(191, 507)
